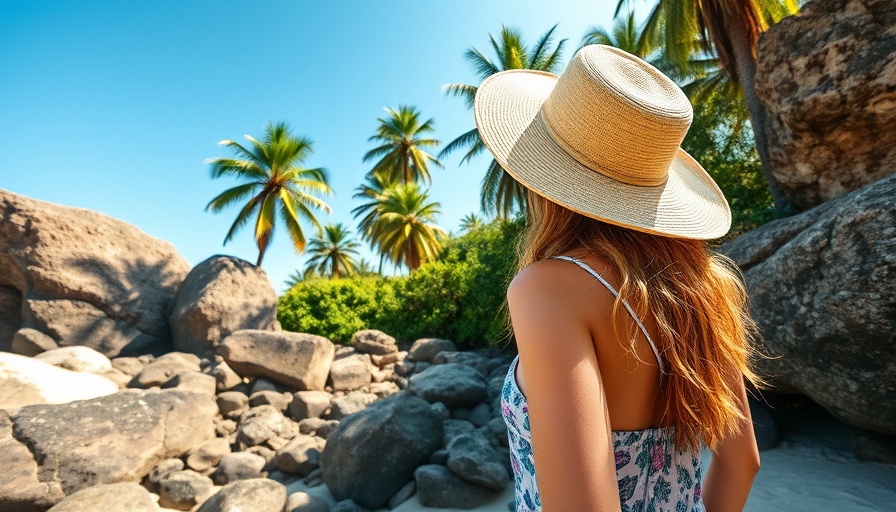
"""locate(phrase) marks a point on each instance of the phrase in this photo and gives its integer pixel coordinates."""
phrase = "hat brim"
(508, 115)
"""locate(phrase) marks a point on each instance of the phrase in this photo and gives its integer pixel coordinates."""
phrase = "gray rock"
(471, 457)
(441, 409)
(232, 403)
(404, 368)
(347, 506)
(255, 495)
(225, 377)
(164, 368)
(827, 79)
(208, 454)
(27, 381)
(90, 279)
(308, 404)
(263, 423)
(301, 361)
(453, 428)
(383, 389)
(480, 414)
(373, 341)
(261, 384)
(193, 381)
(350, 372)
(344, 406)
(499, 429)
(344, 351)
(300, 455)
(120, 437)
(472, 359)
(425, 349)
(239, 466)
(275, 399)
(162, 470)
(439, 457)
(438, 487)
(20, 487)
(220, 296)
(184, 490)
(373, 453)
(118, 497)
(76, 359)
(822, 287)
(128, 365)
(403, 494)
(304, 502)
(451, 383)
(30, 342)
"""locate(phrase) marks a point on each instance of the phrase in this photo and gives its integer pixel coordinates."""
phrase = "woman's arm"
(571, 438)
(734, 464)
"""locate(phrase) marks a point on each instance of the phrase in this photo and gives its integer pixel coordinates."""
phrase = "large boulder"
(453, 384)
(26, 381)
(373, 453)
(84, 278)
(828, 81)
(221, 295)
(299, 360)
(50, 451)
(822, 287)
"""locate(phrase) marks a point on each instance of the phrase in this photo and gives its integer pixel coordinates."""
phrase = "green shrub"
(727, 150)
(459, 296)
(336, 308)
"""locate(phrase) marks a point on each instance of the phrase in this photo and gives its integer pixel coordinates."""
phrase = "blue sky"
(115, 105)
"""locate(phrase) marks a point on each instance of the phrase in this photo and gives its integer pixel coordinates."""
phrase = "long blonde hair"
(697, 297)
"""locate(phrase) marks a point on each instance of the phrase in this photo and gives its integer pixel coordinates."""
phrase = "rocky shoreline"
(376, 425)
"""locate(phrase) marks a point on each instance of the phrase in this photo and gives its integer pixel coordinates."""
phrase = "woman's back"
(651, 473)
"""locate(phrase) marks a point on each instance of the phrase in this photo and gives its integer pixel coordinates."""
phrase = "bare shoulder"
(559, 282)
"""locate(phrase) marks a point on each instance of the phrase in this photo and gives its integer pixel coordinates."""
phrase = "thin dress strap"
(625, 303)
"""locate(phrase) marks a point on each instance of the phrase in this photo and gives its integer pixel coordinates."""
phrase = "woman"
(633, 338)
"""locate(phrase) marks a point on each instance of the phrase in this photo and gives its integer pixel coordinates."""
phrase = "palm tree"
(300, 276)
(727, 30)
(701, 78)
(277, 181)
(470, 222)
(372, 193)
(333, 254)
(501, 194)
(404, 230)
(400, 153)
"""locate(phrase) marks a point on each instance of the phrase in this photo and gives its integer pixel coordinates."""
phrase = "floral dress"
(652, 474)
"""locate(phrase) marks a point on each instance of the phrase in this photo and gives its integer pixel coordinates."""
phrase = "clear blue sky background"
(115, 105)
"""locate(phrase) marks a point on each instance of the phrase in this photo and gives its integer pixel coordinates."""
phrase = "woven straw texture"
(603, 139)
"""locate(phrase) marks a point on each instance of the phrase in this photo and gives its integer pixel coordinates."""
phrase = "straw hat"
(603, 139)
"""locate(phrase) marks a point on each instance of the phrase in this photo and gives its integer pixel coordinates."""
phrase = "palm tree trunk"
(261, 249)
(746, 69)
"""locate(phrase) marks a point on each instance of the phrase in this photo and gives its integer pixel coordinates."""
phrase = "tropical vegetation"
(402, 139)
(277, 183)
(334, 254)
(725, 33)
(500, 193)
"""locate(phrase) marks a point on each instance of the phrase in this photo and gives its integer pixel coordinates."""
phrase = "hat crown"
(618, 115)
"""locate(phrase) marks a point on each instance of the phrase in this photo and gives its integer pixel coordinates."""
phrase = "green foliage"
(459, 296)
(337, 308)
(724, 146)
